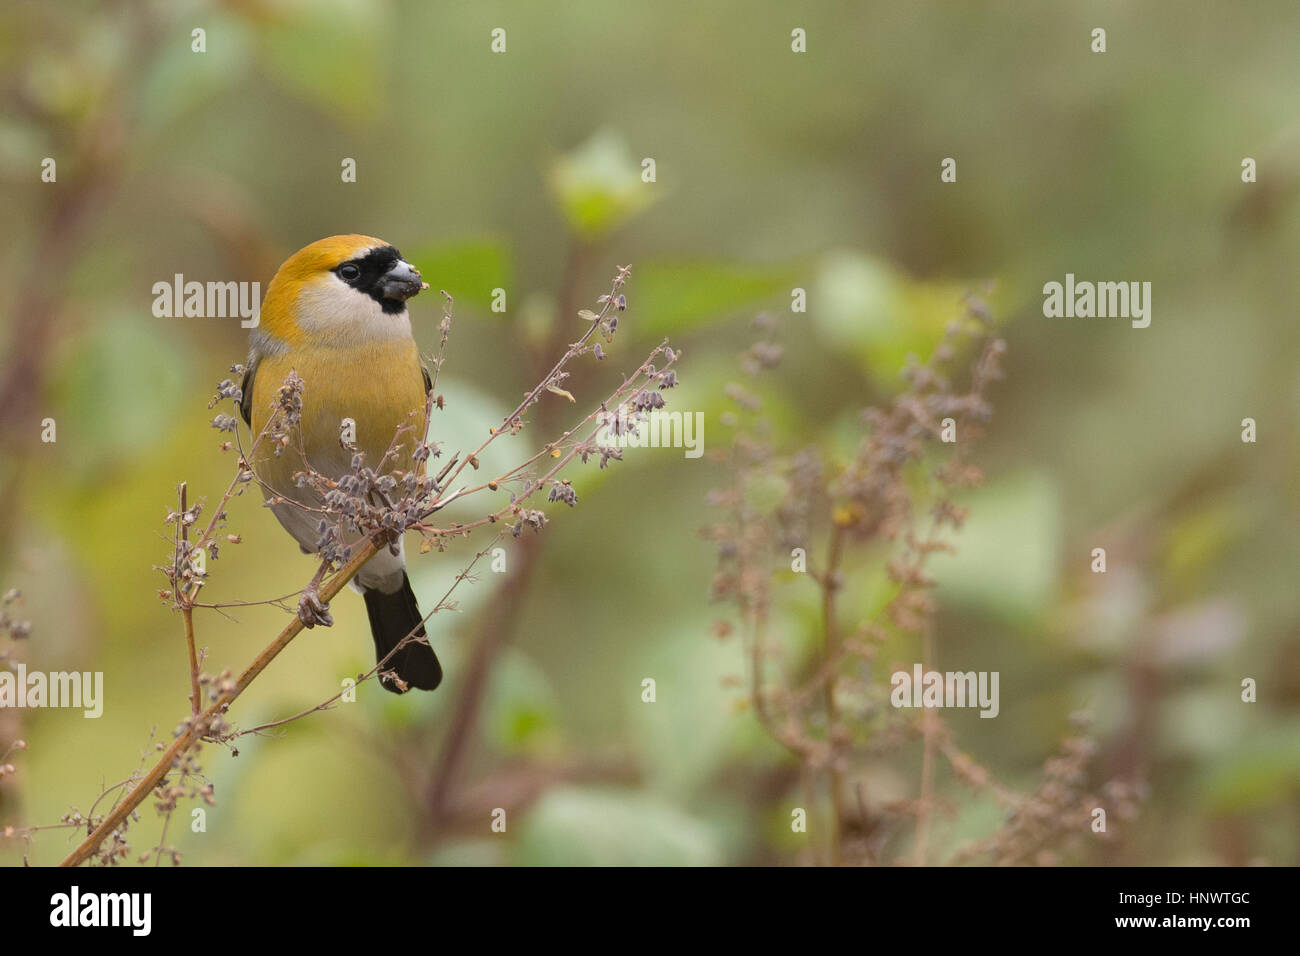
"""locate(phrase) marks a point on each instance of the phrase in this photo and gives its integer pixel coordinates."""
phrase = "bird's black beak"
(401, 281)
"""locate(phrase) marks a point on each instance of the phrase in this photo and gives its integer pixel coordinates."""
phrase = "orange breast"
(379, 387)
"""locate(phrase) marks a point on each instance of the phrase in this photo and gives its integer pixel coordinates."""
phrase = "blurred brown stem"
(187, 608)
(830, 651)
(500, 623)
(498, 627)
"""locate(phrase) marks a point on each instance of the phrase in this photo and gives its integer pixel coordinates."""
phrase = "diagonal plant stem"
(195, 727)
(193, 730)
(198, 725)
(494, 634)
(512, 420)
(187, 608)
(410, 637)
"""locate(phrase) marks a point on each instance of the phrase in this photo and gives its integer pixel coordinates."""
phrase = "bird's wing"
(246, 396)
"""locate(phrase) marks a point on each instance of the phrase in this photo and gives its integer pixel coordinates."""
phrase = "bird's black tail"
(392, 617)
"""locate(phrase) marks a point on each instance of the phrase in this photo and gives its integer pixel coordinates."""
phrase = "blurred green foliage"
(522, 171)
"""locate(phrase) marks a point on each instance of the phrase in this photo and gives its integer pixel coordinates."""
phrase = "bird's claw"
(312, 610)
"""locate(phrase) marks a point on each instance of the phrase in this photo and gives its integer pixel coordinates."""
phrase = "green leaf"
(468, 269)
(598, 185)
(684, 736)
(104, 416)
(1199, 538)
(556, 390)
(573, 826)
(1203, 723)
(520, 708)
(671, 297)
(1263, 769)
(864, 306)
(857, 301)
(1008, 553)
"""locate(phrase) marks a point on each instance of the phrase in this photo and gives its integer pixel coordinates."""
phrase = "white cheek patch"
(333, 309)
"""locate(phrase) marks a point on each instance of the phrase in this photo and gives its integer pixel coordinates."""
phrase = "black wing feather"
(246, 395)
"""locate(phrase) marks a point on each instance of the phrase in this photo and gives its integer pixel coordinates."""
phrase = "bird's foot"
(312, 610)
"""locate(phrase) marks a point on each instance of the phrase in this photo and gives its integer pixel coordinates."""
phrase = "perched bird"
(335, 314)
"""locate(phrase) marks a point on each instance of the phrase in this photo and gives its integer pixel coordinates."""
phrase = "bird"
(335, 315)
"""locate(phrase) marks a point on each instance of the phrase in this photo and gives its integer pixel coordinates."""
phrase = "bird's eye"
(348, 272)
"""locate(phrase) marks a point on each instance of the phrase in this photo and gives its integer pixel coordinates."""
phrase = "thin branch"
(202, 725)
(410, 636)
(511, 421)
(193, 730)
(187, 608)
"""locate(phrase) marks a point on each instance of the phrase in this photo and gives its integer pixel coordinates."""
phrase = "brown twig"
(200, 724)
(499, 625)
(185, 601)
(493, 635)
(193, 730)
(511, 421)
(379, 665)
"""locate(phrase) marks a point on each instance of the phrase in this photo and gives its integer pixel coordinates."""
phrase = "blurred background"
(522, 171)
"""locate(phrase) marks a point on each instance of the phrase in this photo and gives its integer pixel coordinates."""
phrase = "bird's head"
(341, 290)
